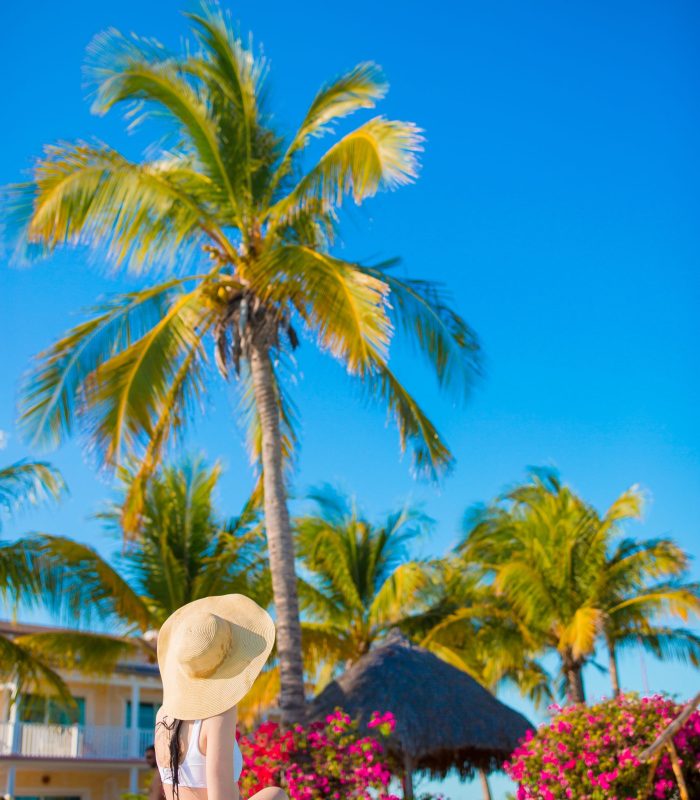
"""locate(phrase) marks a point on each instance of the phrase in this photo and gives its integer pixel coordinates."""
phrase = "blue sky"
(558, 200)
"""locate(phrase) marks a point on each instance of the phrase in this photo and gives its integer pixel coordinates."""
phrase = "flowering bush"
(323, 760)
(591, 753)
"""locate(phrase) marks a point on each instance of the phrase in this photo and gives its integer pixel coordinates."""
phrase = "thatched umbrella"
(445, 720)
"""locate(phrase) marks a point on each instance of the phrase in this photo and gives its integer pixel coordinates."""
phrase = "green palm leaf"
(77, 584)
(28, 483)
(135, 69)
(381, 154)
(89, 653)
(430, 455)
(140, 214)
(29, 673)
(421, 310)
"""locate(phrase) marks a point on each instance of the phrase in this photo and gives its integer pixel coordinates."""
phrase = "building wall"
(88, 783)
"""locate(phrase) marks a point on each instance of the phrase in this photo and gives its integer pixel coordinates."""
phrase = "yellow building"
(96, 752)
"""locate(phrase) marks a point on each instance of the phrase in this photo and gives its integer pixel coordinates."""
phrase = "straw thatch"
(445, 720)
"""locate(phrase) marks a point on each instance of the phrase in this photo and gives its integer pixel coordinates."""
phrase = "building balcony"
(83, 742)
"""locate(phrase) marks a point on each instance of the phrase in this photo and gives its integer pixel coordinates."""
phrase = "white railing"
(100, 742)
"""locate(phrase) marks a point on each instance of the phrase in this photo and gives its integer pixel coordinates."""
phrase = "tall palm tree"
(357, 581)
(560, 567)
(23, 484)
(185, 551)
(229, 187)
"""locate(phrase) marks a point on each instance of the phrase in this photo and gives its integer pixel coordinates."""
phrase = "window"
(147, 715)
(24, 797)
(35, 708)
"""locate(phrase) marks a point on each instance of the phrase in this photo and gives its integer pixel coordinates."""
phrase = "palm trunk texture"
(280, 541)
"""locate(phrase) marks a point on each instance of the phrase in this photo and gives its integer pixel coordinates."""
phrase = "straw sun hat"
(210, 652)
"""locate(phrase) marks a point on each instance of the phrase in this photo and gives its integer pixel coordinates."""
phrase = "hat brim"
(253, 635)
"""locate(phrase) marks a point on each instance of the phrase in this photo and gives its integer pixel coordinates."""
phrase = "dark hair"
(174, 752)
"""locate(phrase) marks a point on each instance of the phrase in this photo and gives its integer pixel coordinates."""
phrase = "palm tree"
(357, 581)
(23, 484)
(567, 579)
(642, 581)
(468, 626)
(229, 187)
(185, 551)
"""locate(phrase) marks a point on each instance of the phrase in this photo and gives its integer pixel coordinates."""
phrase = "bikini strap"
(194, 737)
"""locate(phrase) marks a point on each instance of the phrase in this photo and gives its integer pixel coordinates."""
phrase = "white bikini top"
(192, 772)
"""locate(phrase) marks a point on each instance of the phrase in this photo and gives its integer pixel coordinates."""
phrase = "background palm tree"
(185, 551)
(227, 186)
(357, 582)
(642, 585)
(23, 484)
(557, 564)
(470, 627)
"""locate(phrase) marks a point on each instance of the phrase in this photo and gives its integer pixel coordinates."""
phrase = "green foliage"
(358, 583)
(227, 197)
(184, 552)
(569, 580)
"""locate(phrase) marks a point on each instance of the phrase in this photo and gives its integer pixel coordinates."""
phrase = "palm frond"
(137, 214)
(398, 595)
(141, 72)
(54, 396)
(381, 154)
(430, 455)
(344, 307)
(234, 76)
(678, 644)
(28, 483)
(132, 391)
(19, 667)
(78, 585)
(90, 653)
(421, 309)
(359, 88)
(582, 631)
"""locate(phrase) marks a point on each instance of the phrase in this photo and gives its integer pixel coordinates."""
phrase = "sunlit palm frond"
(132, 390)
(325, 643)
(89, 653)
(359, 88)
(28, 483)
(381, 154)
(77, 584)
(343, 307)
(421, 309)
(430, 455)
(262, 696)
(141, 72)
(398, 595)
(582, 631)
(20, 668)
(139, 214)
(628, 506)
(677, 599)
(632, 562)
(664, 642)
(54, 394)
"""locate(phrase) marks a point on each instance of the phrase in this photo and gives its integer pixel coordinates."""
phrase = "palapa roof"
(445, 720)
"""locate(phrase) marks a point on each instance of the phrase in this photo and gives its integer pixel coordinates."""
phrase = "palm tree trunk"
(280, 541)
(574, 680)
(486, 789)
(614, 672)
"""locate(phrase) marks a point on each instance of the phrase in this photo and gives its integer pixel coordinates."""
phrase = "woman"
(209, 653)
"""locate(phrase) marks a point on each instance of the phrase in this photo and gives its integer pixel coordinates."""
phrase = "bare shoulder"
(220, 730)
